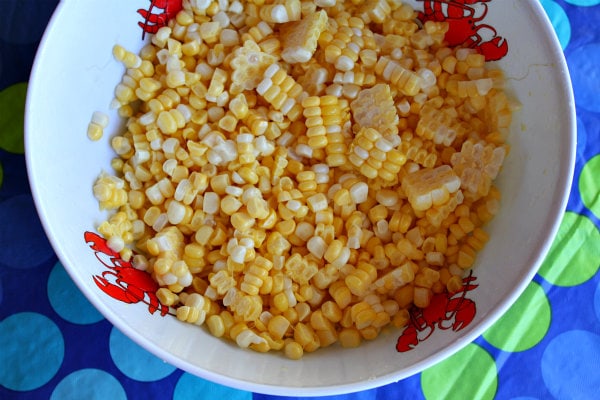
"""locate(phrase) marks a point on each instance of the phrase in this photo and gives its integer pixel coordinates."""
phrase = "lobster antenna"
(485, 11)
(463, 294)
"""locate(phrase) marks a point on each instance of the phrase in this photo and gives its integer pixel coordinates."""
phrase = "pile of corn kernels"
(296, 174)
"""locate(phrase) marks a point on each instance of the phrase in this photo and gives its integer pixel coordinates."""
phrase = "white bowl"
(75, 74)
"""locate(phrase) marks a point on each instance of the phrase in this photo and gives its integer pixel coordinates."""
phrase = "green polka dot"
(12, 104)
(469, 374)
(525, 324)
(589, 185)
(574, 256)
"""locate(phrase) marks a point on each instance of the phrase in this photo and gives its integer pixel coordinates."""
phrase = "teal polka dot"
(583, 3)
(560, 21)
(89, 384)
(33, 348)
(134, 361)
(571, 361)
(192, 387)
(67, 300)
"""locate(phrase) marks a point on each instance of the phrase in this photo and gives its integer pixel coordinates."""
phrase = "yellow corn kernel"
(281, 12)
(293, 350)
(375, 11)
(406, 81)
(94, 131)
(278, 326)
(422, 297)
(282, 92)
(340, 294)
(361, 278)
(166, 297)
(466, 257)
(349, 338)
(256, 275)
(343, 48)
(331, 311)
(216, 325)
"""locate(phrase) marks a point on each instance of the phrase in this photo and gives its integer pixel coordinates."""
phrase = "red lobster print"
(446, 311)
(122, 281)
(153, 22)
(465, 28)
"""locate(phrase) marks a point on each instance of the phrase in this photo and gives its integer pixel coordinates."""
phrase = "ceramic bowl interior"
(75, 74)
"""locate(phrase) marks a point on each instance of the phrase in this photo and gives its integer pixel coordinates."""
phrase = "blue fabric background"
(54, 344)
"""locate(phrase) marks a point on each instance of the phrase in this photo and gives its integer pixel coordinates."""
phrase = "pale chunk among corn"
(248, 64)
(429, 187)
(478, 164)
(299, 38)
(375, 108)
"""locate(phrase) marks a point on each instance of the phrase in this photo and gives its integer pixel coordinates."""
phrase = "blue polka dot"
(597, 302)
(67, 300)
(33, 347)
(570, 361)
(584, 3)
(1, 292)
(23, 243)
(192, 387)
(586, 84)
(581, 139)
(89, 384)
(524, 398)
(560, 21)
(134, 361)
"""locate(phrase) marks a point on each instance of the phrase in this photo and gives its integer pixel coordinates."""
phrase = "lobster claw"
(494, 49)
(408, 340)
(114, 291)
(98, 244)
(464, 314)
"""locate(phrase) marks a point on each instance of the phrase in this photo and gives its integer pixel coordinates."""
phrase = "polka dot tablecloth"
(54, 344)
